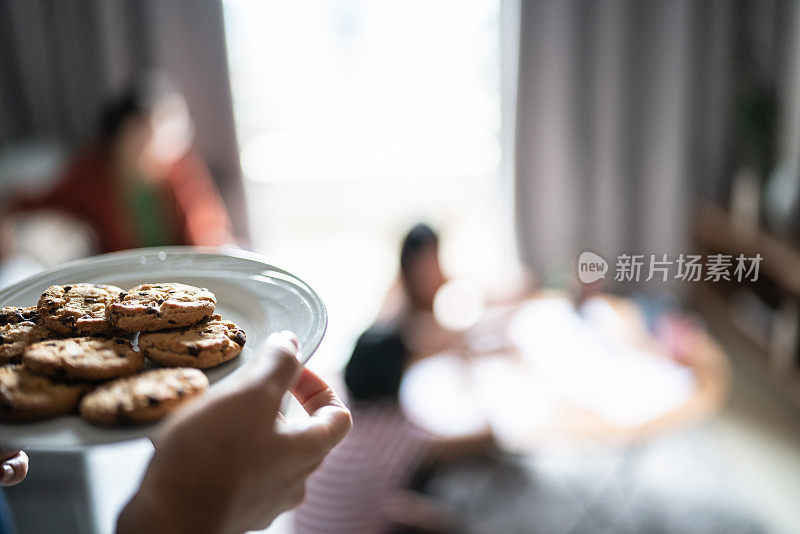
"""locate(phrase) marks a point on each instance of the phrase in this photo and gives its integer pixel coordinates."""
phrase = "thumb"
(275, 366)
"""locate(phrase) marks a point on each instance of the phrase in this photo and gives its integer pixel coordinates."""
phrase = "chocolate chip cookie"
(142, 398)
(25, 396)
(14, 315)
(14, 337)
(83, 358)
(151, 307)
(202, 346)
(78, 309)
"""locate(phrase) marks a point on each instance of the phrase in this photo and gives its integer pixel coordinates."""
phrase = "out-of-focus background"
(525, 133)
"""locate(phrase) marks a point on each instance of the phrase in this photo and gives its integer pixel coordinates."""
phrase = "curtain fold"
(621, 111)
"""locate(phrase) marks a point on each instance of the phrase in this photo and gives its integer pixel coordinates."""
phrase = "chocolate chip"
(122, 295)
(239, 337)
(67, 288)
(170, 321)
(152, 310)
(194, 350)
(143, 293)
(43, 295)
(50, 344)
(153, 400)
(180, 392)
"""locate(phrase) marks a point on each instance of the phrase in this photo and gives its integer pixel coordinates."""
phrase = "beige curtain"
(623, 109)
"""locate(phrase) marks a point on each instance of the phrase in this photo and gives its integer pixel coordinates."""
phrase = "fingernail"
(8, 473)
(286, 341)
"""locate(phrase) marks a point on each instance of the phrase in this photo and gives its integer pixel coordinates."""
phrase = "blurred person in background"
(409, 303)
(140, 183)
(363, 485)
(420, 272)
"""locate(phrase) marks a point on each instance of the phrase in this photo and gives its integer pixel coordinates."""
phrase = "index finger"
(330, 418)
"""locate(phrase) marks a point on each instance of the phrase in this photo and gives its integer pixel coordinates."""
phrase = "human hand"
(229, 462)
(15, 467)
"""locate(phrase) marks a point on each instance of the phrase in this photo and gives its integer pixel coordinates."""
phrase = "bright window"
(356, 119)
(329, 90)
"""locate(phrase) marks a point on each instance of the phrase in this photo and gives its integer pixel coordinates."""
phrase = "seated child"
(361, 485)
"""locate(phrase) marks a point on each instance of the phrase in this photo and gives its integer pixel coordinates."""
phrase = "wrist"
(147, 509)
(160, 508)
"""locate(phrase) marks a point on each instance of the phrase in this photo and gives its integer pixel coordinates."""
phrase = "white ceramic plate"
(260, 298)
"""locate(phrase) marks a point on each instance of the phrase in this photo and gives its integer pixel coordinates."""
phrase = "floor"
(759, 432)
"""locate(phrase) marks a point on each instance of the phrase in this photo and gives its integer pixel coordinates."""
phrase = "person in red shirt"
(141, 183)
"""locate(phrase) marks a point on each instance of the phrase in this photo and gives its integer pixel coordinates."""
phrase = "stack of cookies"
(77, 350)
